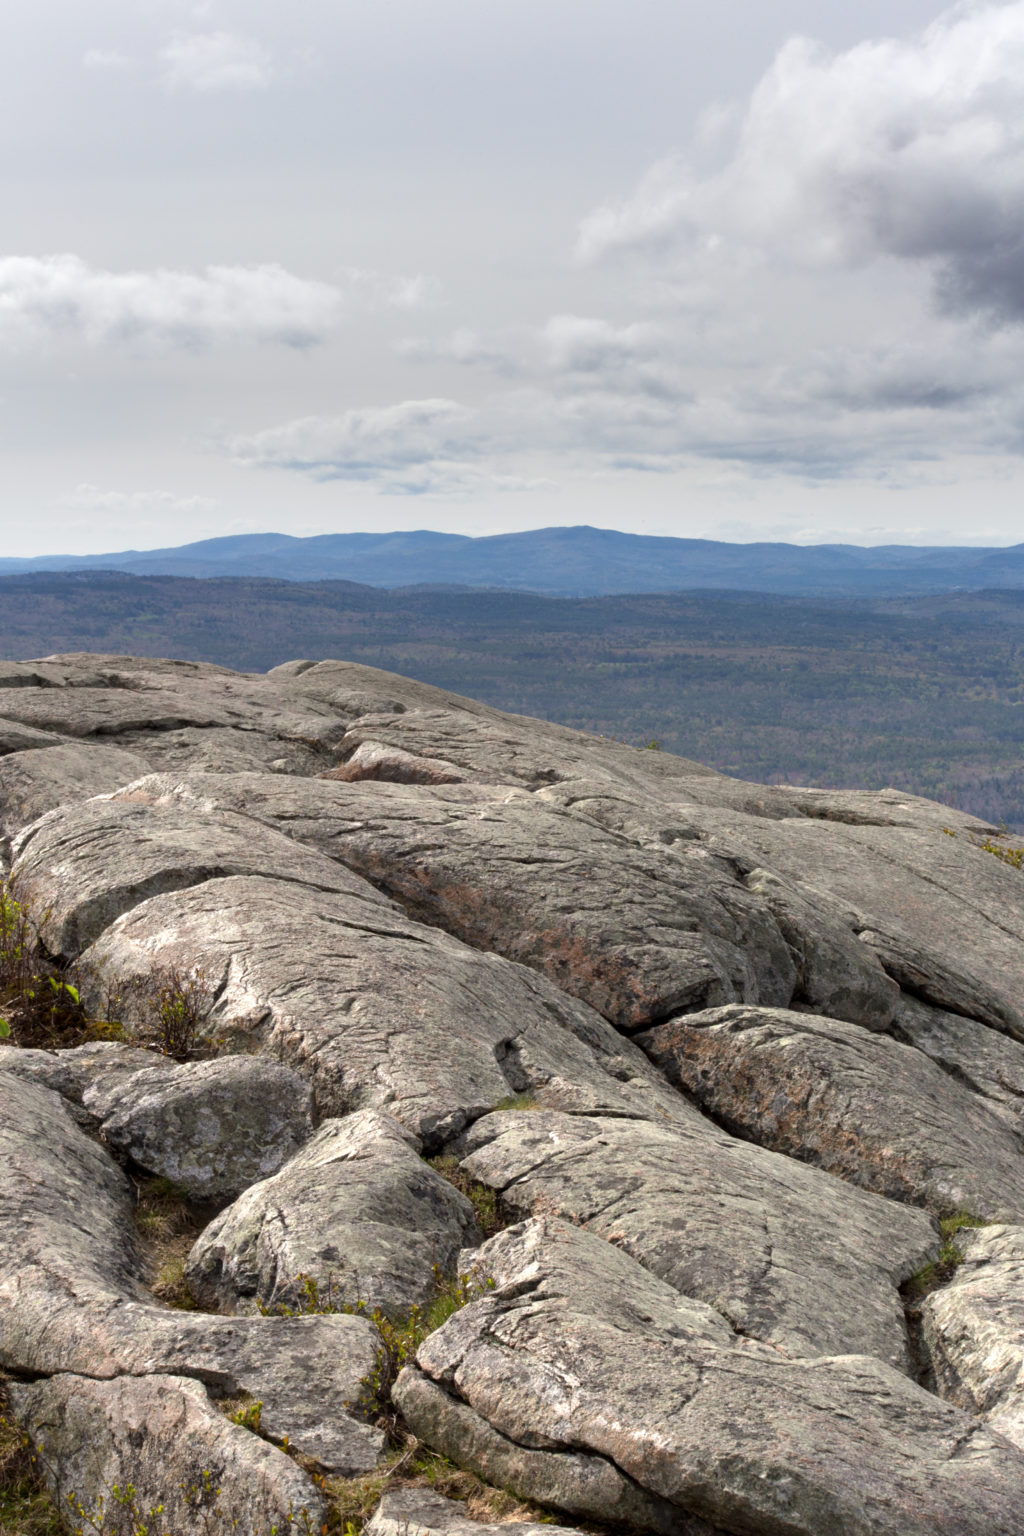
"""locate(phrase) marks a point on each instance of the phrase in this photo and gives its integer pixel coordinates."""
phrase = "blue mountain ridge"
(567, 562)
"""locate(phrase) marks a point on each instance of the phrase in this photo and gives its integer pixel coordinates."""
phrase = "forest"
(923, 693)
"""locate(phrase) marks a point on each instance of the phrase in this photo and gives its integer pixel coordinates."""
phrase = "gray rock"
(71, 1299)
(989, 1063)
(65, 1208)
(23, 674)
(357, 1211)
(857, 1104)
(71, 1071)
(84, 865)
(786, 1253)
(637, 934)
(37, 781)
(374, 760)
(15, 736)
(973, 1329)
(379, 1011)
(187, 1466)
(945, 917)
(227, 749)
(420, 1512)
(586, 1382)
(211, 1127)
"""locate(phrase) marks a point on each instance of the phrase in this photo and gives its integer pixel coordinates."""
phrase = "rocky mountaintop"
(739, 1070)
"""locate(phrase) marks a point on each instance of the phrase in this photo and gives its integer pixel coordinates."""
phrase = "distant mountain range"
(567, 562)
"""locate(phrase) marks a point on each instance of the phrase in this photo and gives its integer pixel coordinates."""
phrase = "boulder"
(152, 1452)
(357, 1212)
(864, 1106)
(786, 1253)
(586, 1382)
(211, 1127)
(374, 760)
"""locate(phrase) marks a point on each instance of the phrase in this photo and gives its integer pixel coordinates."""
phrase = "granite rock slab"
(357, 1212)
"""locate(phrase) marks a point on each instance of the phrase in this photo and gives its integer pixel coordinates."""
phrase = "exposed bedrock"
(72, 1302)
(587, 1381)
(639, 933)
(784, 1252)
(974, 1329)
(358, 1212)
(420, 1512)
(159, 1455)
(727, 1052)
(380, 1011)
(864, 1106)
(84, 866)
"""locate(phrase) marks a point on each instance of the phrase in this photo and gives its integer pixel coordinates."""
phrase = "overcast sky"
(742, 271)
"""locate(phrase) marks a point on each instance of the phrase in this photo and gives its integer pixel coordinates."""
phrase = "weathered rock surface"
(161, 1437)
(989, 1063)
(974, 1330)
(211, 1127)
(413, 912)
(420, 1512)
(357, 1211)
(637, 934)
(73, 1072)
(71, 1300)
(378, 1010)
(84, 866)
(860, 1105)
(374, 760)
(586, 1381)
(37, 781)
(786, 1253)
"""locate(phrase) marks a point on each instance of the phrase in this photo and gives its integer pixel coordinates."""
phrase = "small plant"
(26, 1508)
(520, 1101)
(1007, 854)
(490, 1217)
(249, 1416)
(398, 1338)
(941, 1269)
(168, 1224)
(37, 1005)
(167, 1008)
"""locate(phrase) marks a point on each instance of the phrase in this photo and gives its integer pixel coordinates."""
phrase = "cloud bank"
(61, 296)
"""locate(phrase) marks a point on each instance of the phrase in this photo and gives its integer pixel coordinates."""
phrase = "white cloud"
(908, 150)
(584, 344)
(214, 61)
(106, 59)
(61, 296)
(145, 505)
(409, 448)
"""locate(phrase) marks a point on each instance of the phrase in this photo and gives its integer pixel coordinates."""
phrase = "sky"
(743, 271)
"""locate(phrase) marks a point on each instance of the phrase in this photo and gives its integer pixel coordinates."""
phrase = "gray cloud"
(912, 150)
(408, 448)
